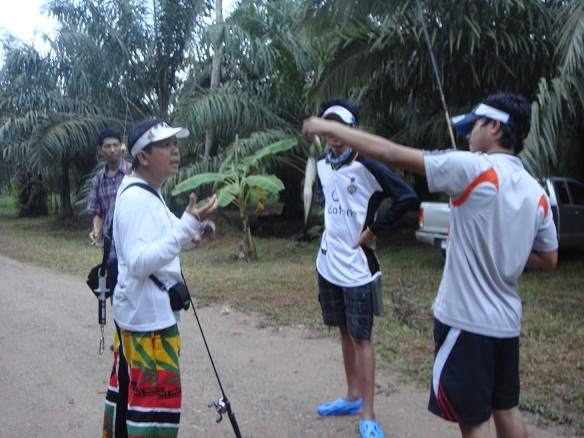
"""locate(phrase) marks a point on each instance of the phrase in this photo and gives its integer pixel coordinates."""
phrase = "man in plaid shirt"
(104, 186)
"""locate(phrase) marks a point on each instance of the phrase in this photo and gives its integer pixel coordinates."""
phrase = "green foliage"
(240, 182)
(111, 63)
(116, 62)
(261, 97)
(380, 59)
(241, 179)
(558, 108)
(30, 195)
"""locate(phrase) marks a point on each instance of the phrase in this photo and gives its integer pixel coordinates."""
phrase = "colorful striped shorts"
(150, 400)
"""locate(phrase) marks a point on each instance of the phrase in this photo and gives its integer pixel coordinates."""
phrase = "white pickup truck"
(567, 204)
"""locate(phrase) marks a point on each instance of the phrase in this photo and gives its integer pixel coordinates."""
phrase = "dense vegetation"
(246, 81)
(258, 72)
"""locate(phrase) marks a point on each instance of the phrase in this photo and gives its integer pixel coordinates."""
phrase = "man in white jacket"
(144, 394)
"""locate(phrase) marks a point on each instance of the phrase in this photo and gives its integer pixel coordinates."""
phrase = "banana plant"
(240, 184)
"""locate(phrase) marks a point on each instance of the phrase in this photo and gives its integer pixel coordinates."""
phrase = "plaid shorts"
(349, 307)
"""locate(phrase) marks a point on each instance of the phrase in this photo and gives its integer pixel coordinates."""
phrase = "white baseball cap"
(158, 132)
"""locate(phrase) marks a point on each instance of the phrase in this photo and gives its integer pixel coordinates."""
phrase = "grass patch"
(282, 285)
(552, 357)
(7, 206)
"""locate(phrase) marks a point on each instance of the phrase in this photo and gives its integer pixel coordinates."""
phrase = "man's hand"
(205, 211)
(367, 239)
(95, 234)
(95, 237)
(313, 127)
(206, 232)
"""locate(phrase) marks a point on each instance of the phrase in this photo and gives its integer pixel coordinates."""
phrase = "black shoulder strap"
(145, 187)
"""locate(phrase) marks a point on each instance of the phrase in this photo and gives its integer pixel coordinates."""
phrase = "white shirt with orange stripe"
(499, 214)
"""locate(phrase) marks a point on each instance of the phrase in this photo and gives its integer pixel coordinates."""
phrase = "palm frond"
(571, 40)
(539, 158)
(229, 108)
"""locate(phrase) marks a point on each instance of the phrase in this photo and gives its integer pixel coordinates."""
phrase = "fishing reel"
(220, 407)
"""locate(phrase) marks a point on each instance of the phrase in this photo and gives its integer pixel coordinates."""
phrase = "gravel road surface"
(53, 380)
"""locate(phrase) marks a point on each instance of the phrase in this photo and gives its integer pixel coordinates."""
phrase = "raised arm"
(373, 146)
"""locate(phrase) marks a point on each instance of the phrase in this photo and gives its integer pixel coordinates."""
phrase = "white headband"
(345, 115)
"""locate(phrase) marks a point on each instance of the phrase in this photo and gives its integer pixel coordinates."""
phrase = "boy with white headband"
(500, 223)
(144, 394)
(353, 188)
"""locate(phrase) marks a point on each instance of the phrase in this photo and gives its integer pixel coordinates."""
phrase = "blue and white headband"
(463, 123)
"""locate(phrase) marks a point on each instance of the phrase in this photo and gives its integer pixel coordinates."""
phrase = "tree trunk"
(31, 193)
(247, 248)
(66, 210)
(210, 144)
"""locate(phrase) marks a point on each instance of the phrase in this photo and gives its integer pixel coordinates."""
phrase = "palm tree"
(135, 50)
(111, 64)
(559, 104)
(260, 100)
(381, 60)
(210, 147)
(49, 130)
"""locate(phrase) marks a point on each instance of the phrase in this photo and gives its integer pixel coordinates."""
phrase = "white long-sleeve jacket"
(149, 239)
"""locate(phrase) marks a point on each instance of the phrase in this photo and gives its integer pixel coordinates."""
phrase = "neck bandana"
(335, 161)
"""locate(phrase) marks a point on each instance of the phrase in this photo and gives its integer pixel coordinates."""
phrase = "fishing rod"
(223, 405)
(436, 74)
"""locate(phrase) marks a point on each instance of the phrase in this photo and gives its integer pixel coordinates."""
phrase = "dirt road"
(53, 381)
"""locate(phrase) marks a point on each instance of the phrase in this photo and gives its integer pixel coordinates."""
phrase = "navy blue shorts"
(473, 374)
(349, 307)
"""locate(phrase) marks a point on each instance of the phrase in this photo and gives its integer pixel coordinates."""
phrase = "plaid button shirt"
(102, 197)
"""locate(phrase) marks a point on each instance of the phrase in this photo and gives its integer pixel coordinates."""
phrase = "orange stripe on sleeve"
(543, 203)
